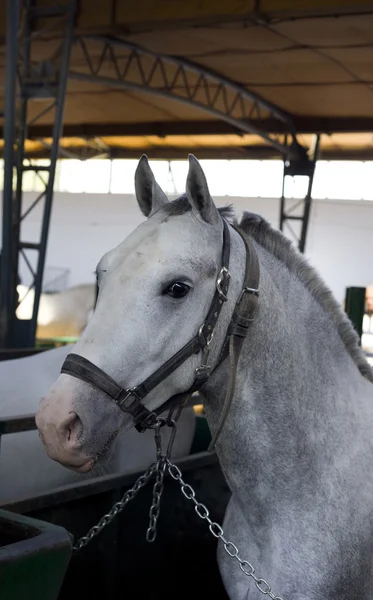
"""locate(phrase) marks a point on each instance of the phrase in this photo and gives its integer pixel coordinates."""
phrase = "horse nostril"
(71, 428)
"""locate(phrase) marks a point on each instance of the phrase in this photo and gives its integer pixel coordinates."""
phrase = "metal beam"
(57, 131)
(137, 69)
(130, 16)
(48, 147)
(291, 213)
(204, 152)
(302, 124)
(134, 17)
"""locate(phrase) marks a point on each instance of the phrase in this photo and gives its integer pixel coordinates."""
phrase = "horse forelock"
(282, 249)
(181, 206)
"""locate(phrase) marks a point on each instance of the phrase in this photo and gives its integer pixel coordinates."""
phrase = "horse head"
(155, 289)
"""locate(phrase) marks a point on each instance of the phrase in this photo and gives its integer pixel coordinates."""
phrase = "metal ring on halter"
(176, 410)
(248, 290)
(157, 436)
(209, 337)
(223, 273)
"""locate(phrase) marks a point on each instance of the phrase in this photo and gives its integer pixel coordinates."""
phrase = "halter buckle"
(150, 422)
(222, 283)
(203, 372)
(121, 402)
(206, 339)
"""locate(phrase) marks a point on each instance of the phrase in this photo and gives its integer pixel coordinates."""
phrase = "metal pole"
(308, 198)
(282, 201)
(57, 131)
(20, 144)
(7, 295)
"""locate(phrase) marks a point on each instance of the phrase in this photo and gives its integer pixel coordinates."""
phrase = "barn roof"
(168, 77)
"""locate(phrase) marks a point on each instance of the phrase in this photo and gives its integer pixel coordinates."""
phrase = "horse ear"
(198, 192)
(148, 193)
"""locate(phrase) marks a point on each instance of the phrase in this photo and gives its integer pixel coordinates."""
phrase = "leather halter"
(129, 400)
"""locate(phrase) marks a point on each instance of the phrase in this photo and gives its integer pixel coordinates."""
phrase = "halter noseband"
(129, 400)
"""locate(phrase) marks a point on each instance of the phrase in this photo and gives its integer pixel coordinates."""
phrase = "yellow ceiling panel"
(297, 55)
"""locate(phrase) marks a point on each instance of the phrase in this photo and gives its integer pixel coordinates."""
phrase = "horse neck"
(295, 395)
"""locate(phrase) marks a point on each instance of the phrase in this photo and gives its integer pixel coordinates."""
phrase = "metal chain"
(155, 508)
(116, 509)
(230, 548)
(159, 467)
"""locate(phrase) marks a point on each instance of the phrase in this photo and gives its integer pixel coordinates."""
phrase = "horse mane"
(282, 249)
(227, 212)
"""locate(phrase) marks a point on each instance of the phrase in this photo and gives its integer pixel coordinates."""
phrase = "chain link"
(155, 508)
(116, 509)
(230, 548)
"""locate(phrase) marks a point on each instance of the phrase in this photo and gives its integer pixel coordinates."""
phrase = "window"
(334, 180)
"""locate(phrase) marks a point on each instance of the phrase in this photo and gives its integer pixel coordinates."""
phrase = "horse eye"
(177, 290)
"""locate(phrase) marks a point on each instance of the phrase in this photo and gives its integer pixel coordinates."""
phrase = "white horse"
(61, 314)
(25, 469)
(178, 306)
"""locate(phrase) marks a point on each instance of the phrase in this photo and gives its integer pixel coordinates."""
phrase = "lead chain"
(159, 467)
(230, 548)
(117, 508)
(155, 508)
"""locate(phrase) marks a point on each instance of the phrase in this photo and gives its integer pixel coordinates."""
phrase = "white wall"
(85, 226)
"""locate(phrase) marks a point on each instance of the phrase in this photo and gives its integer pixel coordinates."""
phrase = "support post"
(57, 131)
(41, 84)
(7, 258)
(295, 167)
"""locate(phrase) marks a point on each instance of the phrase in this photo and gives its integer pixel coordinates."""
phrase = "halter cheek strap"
(243, 315)
(129, 400)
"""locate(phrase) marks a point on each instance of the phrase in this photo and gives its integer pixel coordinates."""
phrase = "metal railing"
(55, 280)
(26, 422)
(16, 425)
